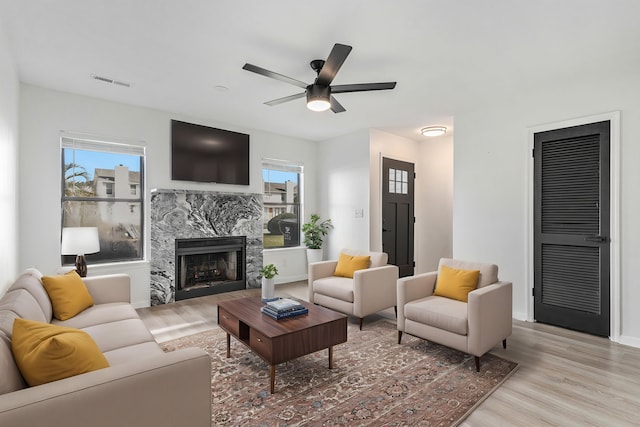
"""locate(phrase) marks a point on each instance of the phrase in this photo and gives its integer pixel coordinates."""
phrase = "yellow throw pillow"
(46, 353)
(68, 294)
(456, 284)
(348, 264)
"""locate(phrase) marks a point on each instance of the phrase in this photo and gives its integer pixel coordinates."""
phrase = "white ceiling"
(446, 55)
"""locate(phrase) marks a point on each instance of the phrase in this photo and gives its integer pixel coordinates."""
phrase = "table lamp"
(80, 241)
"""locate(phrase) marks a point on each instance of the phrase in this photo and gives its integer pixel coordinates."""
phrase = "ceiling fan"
(320, 93)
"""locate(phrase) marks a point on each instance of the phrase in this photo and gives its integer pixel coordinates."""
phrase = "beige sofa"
(474, 327)
(143, 386)
(371, 290)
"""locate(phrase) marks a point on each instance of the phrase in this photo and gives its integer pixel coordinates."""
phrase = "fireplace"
(210, 265)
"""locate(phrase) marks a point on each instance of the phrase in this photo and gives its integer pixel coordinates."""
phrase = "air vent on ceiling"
(110, 80)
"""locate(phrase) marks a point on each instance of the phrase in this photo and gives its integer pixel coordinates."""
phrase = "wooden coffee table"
(278, 341)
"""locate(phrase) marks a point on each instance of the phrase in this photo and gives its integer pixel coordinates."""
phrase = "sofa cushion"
(336, 287)
(11, 378)
(132, 352)
(439, 312)
(99, 314)
(456, 284)
(46, 353)
(348, 264)
(123, 333)
(68, 294)
(30, 280)
(19, 303)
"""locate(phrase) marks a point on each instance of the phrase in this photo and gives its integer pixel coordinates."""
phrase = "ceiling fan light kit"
(318, 98)
(432, 131)
(318, 93)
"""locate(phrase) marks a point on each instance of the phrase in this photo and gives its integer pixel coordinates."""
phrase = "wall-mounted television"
(205, 154)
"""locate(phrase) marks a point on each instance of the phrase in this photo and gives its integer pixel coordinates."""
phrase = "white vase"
(268, 286)
(314, 255)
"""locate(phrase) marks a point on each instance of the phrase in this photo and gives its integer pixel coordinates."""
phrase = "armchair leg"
(504, 343)
(399, 336)
(477, 363)
(360, 320)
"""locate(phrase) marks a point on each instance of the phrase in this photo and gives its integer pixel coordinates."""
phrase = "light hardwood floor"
(565, 378)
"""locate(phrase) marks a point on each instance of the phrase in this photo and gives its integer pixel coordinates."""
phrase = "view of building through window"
(281, 217)
(104, 189)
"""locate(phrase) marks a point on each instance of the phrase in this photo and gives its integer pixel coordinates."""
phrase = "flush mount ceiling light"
(318, 98)
(433, 131)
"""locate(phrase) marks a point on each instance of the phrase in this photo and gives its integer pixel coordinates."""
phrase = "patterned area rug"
(374, 381)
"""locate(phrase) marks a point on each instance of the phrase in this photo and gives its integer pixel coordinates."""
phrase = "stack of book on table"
(283, 308)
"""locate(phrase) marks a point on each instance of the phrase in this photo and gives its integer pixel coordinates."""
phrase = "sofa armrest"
(109, 288)
(163, 390)
(318, 270)
(374, 289)
(489, 312)
(413, 288)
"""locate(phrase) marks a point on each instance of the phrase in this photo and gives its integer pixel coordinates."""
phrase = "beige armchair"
(371, 290)
(473, 327)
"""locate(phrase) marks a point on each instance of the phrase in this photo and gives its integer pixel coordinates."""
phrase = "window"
(282, 194)
(398, 181)
(100, 182)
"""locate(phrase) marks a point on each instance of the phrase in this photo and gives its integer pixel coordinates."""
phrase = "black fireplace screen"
(209, 266)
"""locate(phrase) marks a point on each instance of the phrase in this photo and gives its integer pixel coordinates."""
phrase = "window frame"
(104, 145)
(284, 166)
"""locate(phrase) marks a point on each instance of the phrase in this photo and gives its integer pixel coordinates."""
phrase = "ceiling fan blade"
(336, 107)
(333, 63)
(362, 87)
(273, 75)
(285, 99)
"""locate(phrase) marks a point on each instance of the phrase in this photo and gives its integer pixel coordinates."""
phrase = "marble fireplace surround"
(187, 214)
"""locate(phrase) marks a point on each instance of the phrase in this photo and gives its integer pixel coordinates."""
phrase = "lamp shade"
(79, 241)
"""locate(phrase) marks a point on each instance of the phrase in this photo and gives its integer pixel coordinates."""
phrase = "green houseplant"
(268, 272)
(314, 233)
(315, 230)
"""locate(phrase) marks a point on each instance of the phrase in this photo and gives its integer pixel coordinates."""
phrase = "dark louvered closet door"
(571, 228)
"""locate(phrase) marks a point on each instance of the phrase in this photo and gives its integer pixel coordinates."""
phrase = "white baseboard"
(520, 316)
(140, 304)
(289, 279)
(630, 341)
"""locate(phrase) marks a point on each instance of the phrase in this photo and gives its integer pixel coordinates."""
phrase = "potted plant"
(314, 232)
(268, 272)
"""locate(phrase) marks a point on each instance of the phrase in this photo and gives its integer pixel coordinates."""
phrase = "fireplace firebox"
(210, 265)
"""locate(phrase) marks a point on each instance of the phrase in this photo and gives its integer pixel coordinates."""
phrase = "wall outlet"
(359, 212)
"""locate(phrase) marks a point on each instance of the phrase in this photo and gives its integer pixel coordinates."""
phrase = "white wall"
(343, 165)
(9, 90)
(492, 157)
(44, 113)
(434, 192)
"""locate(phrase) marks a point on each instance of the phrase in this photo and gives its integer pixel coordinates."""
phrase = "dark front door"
(571, 227)
(397, 213)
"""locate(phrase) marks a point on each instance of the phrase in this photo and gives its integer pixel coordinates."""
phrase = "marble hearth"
(186, 214)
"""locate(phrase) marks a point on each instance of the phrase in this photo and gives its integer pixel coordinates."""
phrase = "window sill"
(290, 248)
